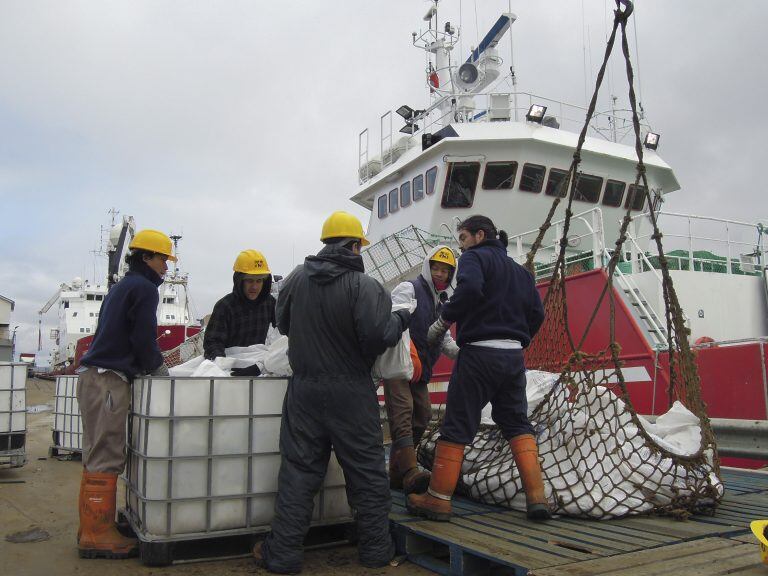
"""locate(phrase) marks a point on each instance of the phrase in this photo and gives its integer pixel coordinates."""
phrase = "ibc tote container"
(203, 459)
(13, 414)
(67, 424)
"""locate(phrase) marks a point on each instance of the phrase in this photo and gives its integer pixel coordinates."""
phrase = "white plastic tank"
(204, 458)
(13, 413)
(67, 423)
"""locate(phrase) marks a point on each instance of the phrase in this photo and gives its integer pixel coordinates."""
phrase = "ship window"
(74, 314)
(405, 194)
(393, 201)
(588, 188)
(418, 188)
(91, 314)
(88, 330)
(90, 297)
(382, 206)
(82, 330)
(636, 196)
(556, 183)
(614, 193)
(499, 175)
(99, 297)
(431, 180)
(66, 304)
(460, 183)
(532, 178)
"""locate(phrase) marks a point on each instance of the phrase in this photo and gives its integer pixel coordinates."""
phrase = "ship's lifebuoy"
(703, 340)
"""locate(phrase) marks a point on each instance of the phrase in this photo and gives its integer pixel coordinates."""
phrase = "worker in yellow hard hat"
(338, 320)
(124, 346)
(408, 406)
(244, 316)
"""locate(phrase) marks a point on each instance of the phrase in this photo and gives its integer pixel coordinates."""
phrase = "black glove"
(252, 370)
(405, 318)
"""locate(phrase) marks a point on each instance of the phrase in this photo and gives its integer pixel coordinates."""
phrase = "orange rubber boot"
(526, 455)
(99, 537)
(80, 501)
(436, 503)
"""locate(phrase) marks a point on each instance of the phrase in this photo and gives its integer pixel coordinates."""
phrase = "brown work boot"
(526, 456)
(415, 480)
(395, 475)
(99, 537)
(435, 504)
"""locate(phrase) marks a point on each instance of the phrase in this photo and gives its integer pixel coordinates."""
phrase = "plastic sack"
(276, 360)
(395, 363)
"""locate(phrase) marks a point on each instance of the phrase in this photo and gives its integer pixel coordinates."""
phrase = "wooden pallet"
(483, 539)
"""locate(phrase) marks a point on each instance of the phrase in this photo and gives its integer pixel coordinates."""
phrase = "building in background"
(6, 334)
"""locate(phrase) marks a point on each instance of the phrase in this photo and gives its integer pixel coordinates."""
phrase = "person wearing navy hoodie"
(124, 347)
(497, 311)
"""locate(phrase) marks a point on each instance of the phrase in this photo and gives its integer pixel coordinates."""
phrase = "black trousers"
(481, 375)
(318, 414)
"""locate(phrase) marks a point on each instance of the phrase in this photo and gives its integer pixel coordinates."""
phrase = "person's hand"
(405, 318)
(252, 370)
(436, 332)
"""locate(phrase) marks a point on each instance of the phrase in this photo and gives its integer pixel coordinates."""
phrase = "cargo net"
(393, 258)
(191, 347)
(600, 459)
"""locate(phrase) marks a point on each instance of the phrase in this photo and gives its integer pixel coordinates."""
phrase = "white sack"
(395, 362)
(276, 359)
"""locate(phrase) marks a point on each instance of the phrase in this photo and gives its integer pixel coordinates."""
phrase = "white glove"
(436, 332)
(450, 348)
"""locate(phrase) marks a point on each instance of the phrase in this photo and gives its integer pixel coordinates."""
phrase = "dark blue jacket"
(425, 314)
(495, 298)
(126, 335)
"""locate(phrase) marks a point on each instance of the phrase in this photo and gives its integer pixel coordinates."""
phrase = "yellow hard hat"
(153, 241)
(343, 225)
(251, 262)
(444, 255)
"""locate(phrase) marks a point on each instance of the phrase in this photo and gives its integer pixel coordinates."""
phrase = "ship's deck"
(483, 539)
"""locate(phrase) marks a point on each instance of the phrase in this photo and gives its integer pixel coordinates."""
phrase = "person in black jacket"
(244, 316)
(124, 347)
(497, 310)
(338, 320)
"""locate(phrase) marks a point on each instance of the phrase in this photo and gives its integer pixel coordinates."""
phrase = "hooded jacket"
(238, 321)
(126, 334)
(429, 302)
(337, 319)
(495, 298)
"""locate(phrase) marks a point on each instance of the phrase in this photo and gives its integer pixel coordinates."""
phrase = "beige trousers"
(104, 401)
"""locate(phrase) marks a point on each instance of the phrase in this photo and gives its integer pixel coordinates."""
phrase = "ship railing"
(394, 258)
(698, 244)
(490, 106)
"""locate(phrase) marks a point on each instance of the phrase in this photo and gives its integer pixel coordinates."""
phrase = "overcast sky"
(235, 123)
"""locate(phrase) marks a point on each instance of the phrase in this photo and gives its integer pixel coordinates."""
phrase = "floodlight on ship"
(467, 76)
(536, 113)
(651, 140)
(409, 128)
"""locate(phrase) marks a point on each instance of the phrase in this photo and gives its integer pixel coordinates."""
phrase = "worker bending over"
(244, 316)
(124, 347)
(497, 310)
(408, 406)
(338, 320)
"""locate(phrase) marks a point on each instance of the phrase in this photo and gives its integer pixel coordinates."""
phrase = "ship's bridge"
(508, 170)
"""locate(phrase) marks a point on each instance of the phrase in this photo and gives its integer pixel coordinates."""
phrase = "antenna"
(175, 238)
